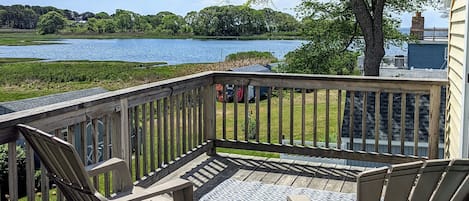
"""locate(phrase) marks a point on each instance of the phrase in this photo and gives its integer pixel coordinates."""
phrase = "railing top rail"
(426, 81)
(364, 83)
(109, 100)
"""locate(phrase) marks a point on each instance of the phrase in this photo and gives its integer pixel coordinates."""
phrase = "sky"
(181, 7)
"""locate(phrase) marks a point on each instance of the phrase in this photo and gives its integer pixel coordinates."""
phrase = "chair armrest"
(114, 164)
(177, 186)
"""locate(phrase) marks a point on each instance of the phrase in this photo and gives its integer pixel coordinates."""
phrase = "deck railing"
(159, 127)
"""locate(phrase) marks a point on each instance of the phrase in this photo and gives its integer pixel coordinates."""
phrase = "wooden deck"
(207, 172)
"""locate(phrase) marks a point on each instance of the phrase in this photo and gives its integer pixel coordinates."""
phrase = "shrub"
(251, 55)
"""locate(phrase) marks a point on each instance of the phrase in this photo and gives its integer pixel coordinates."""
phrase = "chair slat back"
(400, 181)
(428, 179)
(370, 184)
(62, 163)
(462, 194)
(452, 180)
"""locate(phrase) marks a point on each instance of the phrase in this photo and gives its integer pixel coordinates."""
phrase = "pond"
(172, 51)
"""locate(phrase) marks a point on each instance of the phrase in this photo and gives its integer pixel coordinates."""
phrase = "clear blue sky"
(181, 7)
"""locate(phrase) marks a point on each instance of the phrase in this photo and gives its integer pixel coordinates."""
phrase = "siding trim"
(464, 132)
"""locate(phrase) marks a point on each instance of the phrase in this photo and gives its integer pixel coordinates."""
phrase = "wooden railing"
(159, 127)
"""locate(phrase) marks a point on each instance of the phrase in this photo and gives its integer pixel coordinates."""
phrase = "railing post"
(119, 138)
(434, 130)
(209, 105)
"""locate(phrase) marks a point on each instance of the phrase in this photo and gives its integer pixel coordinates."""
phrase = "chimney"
(418, 26)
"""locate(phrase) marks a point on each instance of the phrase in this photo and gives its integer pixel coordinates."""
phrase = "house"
(457, 120)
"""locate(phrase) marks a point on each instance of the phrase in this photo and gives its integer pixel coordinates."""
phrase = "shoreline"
(32, 38)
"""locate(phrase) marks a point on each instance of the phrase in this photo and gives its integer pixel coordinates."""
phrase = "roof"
(414, 73)
(13, 106)
(253, 68)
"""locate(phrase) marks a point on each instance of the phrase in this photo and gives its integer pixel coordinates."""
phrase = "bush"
(314, 60)
(251, 55)
(21, 164)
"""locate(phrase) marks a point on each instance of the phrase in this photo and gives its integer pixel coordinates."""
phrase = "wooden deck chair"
(435, 180)
(66, 169)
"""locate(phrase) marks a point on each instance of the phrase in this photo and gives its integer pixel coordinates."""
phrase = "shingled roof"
(14, 106)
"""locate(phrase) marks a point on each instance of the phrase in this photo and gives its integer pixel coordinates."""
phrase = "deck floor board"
(206, 172)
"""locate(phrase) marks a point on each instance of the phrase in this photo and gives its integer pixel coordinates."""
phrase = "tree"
(370, 16)
(51, 22)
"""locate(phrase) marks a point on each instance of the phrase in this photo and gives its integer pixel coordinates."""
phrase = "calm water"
(173, 51)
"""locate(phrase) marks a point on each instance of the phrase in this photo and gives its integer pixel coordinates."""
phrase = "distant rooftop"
(414, 73)
(14, 106)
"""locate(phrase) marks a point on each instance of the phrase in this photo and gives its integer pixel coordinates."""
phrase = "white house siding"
(456, 74)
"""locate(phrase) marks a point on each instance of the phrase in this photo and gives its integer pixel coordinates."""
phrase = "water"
(172, 51)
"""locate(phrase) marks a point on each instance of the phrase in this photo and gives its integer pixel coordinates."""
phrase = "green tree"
(371, 16)
(51, 22)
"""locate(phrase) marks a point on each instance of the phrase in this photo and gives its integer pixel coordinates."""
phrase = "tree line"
(211, 21)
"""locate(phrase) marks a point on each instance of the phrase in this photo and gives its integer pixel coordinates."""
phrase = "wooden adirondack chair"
(65, 168)
(436, 180)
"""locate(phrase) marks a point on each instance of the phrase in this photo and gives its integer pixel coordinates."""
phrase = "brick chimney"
(418, 26)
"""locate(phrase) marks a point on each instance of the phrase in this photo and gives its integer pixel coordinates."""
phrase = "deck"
(206, 172)
(163, 129)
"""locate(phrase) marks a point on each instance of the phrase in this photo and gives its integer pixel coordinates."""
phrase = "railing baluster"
(416, 124)
(144, 138)
(339, 119)
(194, 118)
(292, 113)
(235, 113)
(165, 132)
(327, 117)
(95, 143)
(106, 155)
(390, 111)
(377, 119)
(159, 134)
(246, 112)
(59, 196)
(351, 117)
(178, 125)
(152, 136)
(258, 100)
(44, 184)
(171, 127)
(303, 116)
(224, 113)
(403, 113)
(199, 118)
(30, 180)
(315, 118)
(84, 143)
(184, 123)
(364, 114)
(280, 115)
(13, 171)
(189, 120)
(137, 142)
(269, 114)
